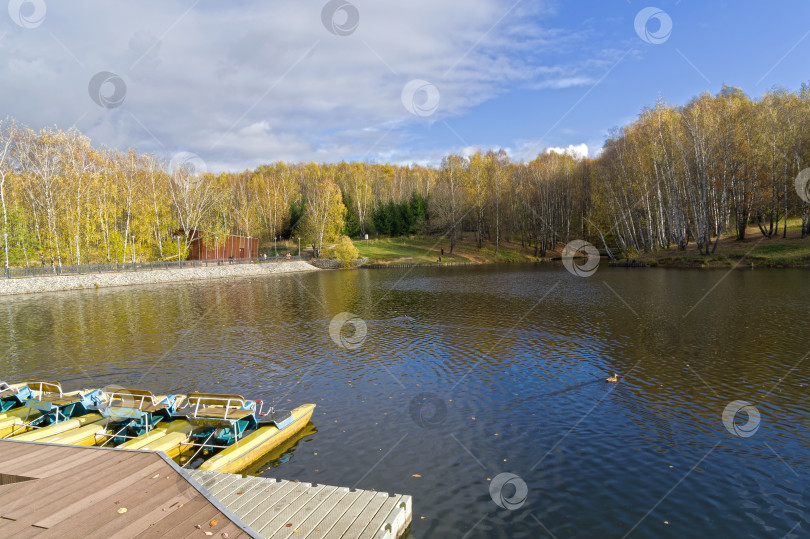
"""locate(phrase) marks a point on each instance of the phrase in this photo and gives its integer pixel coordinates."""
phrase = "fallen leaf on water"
(156, 476)
(209, 533)
(122, 510)
(288, 525)
(213, 523)
(240, 493)
(416, 475)
(198, 526)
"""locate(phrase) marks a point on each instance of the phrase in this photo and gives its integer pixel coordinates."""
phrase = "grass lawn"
(427, 249)
(776, 251)
(756, 249)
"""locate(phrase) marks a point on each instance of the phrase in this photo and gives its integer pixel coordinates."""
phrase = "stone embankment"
(33, 285)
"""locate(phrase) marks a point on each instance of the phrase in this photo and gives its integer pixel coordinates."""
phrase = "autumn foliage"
(678, 175)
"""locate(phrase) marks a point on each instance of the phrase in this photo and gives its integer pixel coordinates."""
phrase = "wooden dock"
(282, 509)
(70, 491)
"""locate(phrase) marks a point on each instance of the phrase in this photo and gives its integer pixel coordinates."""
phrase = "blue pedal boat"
(220, 420)
(55, 405)
(133, 412)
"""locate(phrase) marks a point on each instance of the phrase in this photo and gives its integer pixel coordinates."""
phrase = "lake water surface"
(467, 374)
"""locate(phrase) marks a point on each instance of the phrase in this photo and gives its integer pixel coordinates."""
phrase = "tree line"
(678, 175)
(716, 165)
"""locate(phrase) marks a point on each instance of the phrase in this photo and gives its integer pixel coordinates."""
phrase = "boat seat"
(149, 408)
(58, 400)
(219, 412)
(152, 408)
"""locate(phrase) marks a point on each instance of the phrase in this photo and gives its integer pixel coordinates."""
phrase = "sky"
(233, 85)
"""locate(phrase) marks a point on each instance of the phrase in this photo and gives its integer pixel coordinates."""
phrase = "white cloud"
(580, 151)
(528, 150)
(251, 82)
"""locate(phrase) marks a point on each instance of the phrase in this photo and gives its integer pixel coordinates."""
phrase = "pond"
(481, 390)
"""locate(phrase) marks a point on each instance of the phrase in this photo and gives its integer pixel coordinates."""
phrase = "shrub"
(345, 251)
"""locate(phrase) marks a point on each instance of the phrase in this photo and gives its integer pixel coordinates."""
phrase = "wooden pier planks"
(282, 509)
(81, 492)
(73, 491)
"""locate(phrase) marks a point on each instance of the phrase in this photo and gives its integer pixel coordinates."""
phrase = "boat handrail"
(219, 400)
(140, 395)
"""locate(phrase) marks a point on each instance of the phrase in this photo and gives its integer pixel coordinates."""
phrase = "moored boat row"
(209, 431)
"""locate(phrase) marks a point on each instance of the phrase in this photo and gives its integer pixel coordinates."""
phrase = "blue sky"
(752, 45)
(250, 82)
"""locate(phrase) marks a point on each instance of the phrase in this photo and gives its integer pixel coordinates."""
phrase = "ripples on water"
(507, 365)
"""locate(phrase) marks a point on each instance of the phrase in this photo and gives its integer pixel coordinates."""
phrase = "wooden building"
(206, 246)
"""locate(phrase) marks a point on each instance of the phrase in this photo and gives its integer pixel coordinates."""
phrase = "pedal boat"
(50, 411)
(127, 414)
(237, 431)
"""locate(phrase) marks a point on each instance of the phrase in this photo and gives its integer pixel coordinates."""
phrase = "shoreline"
(63, 283)
(776, 253)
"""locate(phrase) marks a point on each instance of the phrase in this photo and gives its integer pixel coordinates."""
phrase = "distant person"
(264, 256)
(288, 256)
(442, 251)
(230, 259)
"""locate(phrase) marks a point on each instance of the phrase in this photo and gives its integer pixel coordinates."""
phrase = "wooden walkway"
(626, 264)
(69, 491)
(421, 265)
(282, 509)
